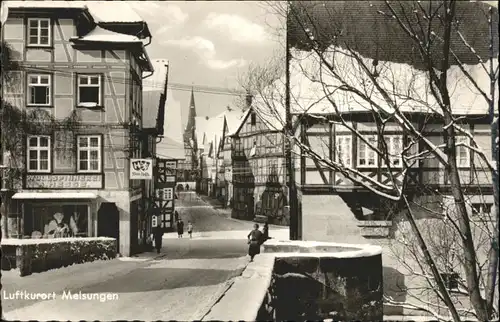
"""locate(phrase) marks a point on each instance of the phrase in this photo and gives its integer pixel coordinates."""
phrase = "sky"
(209, 44)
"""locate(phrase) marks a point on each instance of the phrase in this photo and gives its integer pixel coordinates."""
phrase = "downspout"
(146, 54)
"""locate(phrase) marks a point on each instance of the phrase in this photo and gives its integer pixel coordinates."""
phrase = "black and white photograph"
(249, 160)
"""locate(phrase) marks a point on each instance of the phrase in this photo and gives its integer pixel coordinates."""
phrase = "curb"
(202, 313)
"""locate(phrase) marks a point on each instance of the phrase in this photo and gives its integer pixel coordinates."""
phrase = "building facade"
(212, 132)
(232, 119)
(258, 165)
(342, 127)
(74, 63)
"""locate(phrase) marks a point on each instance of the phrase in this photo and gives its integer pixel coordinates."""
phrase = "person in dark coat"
(180, 228)
(158, 236)
(265, 232)
(254, 241)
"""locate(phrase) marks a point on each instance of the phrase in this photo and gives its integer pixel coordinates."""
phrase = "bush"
(40, 255)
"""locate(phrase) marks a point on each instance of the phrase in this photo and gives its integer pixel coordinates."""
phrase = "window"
(253, 118)
(89, 90)
(366, 155)
(463, 152)
(344, 149)
(481, 209)
(39, 153)
(89, 153)
(39, 90)
(395, 149)
(74, 219)
(39, 32)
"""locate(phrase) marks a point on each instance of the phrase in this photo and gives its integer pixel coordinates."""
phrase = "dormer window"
(39, 32)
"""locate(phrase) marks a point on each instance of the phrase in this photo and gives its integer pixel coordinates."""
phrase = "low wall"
(299, 280)
(40, 255)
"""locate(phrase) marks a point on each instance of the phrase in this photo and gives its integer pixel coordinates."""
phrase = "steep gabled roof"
(397, 79)
(233, 120)
(201, 126)
(213, 131)
(170, 149)
(369, 28)
(360, 26)
(154, 97)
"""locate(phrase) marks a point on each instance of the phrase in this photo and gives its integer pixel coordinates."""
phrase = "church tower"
(190, 143)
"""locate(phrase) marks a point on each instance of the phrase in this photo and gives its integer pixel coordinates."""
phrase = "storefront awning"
(54, 195)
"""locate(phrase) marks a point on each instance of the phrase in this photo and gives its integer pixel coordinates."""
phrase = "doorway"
(108, 221)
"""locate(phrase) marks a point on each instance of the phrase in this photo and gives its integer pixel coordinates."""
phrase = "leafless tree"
(407, 58)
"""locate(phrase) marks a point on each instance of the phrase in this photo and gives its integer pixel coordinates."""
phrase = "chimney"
(248, 99)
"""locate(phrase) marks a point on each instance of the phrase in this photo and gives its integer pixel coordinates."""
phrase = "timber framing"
(420, 178)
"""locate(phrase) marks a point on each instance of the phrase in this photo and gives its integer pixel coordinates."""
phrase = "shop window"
(39, 32)
(39, 154)
(61, 220)
(89, 153)
(39, 90)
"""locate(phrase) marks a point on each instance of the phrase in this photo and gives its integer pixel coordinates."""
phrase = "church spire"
(191, 103)
(191, 123)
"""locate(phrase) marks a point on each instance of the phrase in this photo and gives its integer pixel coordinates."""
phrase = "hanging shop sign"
(141, 169)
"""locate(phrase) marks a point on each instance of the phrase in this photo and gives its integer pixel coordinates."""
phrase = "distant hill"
(359, 25)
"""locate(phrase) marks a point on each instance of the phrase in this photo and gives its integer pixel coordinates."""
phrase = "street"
(204, 218)
(180, 285)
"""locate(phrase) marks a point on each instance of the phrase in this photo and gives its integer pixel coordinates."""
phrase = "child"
(190, 229)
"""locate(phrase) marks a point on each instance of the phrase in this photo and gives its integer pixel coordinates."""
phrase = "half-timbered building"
(77, 60)
(154, 101)
(259, 169)
(232, 118)
(212, 132)
(340, 126)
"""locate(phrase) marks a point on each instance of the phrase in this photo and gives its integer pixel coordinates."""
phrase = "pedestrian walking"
(254, 241)
(190, 229)
(158, 236)
(180, 228)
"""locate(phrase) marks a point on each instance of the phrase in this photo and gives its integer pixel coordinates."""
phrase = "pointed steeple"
(190, 133)
(192, 113)
(192, 106)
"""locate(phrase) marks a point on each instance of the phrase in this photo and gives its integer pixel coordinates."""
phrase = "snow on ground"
(56, 280)
(175, 289)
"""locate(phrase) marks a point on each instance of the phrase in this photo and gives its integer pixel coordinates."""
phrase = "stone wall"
(300, 281)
